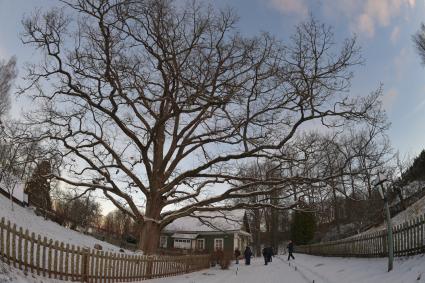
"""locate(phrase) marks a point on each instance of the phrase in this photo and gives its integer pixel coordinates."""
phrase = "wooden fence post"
(85, 265)
(149, 267)
(187, 262)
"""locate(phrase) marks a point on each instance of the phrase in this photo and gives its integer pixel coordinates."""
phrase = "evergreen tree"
(38, 187)
(303, 227)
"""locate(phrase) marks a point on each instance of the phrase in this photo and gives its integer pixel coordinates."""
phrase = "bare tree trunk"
(151, 229)
(257, 232)
(274, 221)
(149, 237)
(336, 210)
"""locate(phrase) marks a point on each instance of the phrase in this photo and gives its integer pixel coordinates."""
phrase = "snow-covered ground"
(307, 268)
(12, 275)
(27, 219)
(304, 269)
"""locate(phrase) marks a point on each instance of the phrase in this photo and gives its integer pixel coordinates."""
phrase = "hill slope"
(27, 219)
(415, 210)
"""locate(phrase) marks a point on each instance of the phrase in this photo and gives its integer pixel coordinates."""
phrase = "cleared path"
(277, 271)
(310, 269)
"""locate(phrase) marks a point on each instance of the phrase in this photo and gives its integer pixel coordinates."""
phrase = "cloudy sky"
(383, 27)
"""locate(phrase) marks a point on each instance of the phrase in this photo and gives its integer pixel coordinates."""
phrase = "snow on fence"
(409, 239)
(46, 258)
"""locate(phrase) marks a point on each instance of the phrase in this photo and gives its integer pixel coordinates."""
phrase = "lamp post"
(379, 184)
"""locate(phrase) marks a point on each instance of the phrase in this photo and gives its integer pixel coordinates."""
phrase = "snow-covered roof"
(208, 221)
(184, 236)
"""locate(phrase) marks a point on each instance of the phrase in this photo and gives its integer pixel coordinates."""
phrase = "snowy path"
(307, 268)
(257, 272)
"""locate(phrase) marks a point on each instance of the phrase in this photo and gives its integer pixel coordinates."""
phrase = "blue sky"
(383, 27)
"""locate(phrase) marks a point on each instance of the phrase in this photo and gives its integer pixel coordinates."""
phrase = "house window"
(163, 242)
(182, 243)
(200, 244)
(218, 244)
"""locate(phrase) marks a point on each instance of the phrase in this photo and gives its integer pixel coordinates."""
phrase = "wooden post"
(72, 271)
(14, 244)
(26, 237)
(2, 225)
(61, 263)
(33, 242)
(20, 234)
(77, 264)
(149, 266)
(66, 261)
(85, 265)
(96, 262)
(49, 259)
(44, 260)
(8, 242)
(55, 259)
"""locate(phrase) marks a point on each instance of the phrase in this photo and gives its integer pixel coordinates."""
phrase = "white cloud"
(364, 16)
(395, 34)
(291, 6)
(389, 98)
(377, 13)
(365, 25)
(401, 61)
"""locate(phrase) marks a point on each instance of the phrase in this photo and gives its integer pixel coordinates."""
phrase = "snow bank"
(13, 275)
(26, 218)
(360, 270)
(306, 268)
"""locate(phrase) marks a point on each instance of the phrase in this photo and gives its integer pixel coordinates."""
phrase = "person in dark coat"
(270, 254)
(237, 255)
(290, 248)
(247, 254)
(265, 255)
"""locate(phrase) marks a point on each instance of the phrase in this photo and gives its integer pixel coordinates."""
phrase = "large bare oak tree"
(156, 104)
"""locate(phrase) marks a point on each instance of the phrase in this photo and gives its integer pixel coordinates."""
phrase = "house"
(207, 232)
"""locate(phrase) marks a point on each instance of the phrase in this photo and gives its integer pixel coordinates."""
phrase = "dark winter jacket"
(265, 252)
(270, 251)
(237, 253)
(290, 247)
(247, 253)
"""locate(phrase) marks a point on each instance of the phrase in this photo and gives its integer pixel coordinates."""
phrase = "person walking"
(247, 254)
(290, 248)
(270, 254)
(265, 255)
(237, 255)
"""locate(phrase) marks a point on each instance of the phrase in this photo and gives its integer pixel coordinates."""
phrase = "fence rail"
(408, 239)
(54, 259)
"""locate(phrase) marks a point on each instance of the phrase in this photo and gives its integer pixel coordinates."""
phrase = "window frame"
(216, 240)
(203, 244)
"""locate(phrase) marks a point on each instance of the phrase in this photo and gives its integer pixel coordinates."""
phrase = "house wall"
(209, 241)
(230, 241)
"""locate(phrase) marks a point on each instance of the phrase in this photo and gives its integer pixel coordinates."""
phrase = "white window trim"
(185, 241)
(215, 243)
